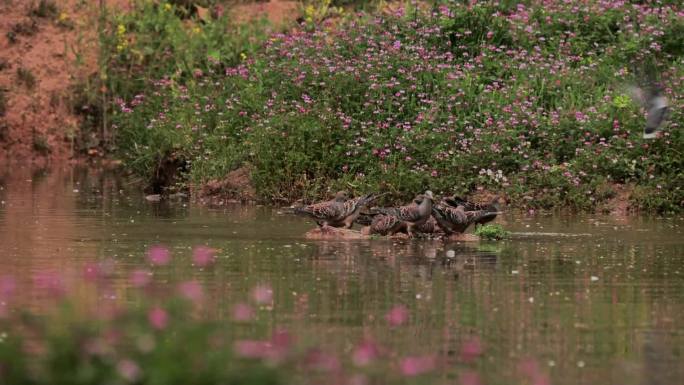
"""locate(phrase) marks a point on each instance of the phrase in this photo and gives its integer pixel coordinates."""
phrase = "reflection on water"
(604, 306)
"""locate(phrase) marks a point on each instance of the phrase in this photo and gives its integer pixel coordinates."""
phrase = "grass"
(44, 9)
(525, 101)
(26, 77)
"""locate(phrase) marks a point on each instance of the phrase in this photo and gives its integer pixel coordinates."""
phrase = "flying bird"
(657, 108)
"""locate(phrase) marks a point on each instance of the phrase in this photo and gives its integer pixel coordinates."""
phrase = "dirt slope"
(44, 52)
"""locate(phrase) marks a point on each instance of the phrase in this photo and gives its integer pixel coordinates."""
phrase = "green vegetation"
(44, 8)
(491, 232)
(525, 100)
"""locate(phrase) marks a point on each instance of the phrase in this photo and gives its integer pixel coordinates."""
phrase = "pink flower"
(202, 256)
(252, 348)
(262, 294)
(128, 369)
(91, 272)
(469, 377)
(471, 349)
(397, 316)
(242, 312)
(414, 366)
(50, 281)
(158, 318)
(530, 368)
(8, 286)
(191, 290)
(365, 353)
(140, 277)
(319, 360)
(159, 255)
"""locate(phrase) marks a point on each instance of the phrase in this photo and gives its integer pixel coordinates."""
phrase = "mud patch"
(620, 203)
(278, 12)
(236, 186)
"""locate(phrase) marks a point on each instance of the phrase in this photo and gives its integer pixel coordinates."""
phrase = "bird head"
(341, 196)
(428, 195)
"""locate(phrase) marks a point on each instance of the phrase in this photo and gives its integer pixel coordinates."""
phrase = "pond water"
(580, 299)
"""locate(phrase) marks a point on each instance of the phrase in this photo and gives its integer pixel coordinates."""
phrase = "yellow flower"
(309, 11)
(167, 6)
(243, 56)
(196, 30)
(62, 16)
(120, 29)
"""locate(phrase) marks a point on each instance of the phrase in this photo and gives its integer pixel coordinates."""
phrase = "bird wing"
(657, 114)
(382, 223)
(480, 216)
(429, 227)
(330, 210)
(409, 213)
(352, 205)
(451, 219)
(638, 95)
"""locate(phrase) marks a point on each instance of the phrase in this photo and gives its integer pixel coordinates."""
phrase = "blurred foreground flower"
(242, 312)
(191, 290)
(262, 294)
(397, 316)
(158, 318)
(159, 255)
(413, 366)
(203, 256)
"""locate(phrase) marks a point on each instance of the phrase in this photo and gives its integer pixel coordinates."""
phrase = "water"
(587, 299)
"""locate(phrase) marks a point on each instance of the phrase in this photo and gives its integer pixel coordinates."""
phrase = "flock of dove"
(451, 215)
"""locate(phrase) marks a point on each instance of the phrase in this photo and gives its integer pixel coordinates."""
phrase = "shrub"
(491, 232)
(514, 98)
